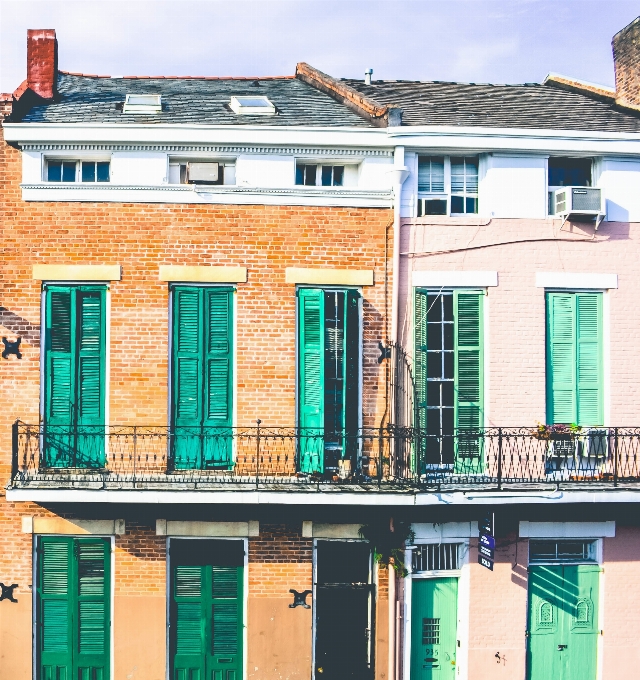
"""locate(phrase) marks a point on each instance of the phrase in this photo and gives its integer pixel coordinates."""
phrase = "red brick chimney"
(42, 61)
(626, 60)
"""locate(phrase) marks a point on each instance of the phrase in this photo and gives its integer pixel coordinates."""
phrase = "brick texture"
(626, 56)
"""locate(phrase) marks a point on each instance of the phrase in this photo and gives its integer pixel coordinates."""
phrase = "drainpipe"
(399, 173)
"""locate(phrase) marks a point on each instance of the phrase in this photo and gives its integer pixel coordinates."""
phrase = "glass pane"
(300, 174)
(69, 171)
(448, 393)
(457, 176)
(434, 336)
(326, 175)
(447, 306)
(471, 175)
(433, 420)
(457, 204)
(447, 419)
(54, 171)
(569, 172)
(310, 175)
(471, 205)
(436, 206)
(102, 171)
(434, 308)
(88, 171)
(338, 175)
(431, 174)
(448, 364)
(434, 365)
(448, 335)
(434, 392)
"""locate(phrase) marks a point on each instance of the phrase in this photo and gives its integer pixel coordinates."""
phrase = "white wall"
(514, 186)
(257, 170)
(139, 167)
(31, 166)
(375, 173)
(620, 181)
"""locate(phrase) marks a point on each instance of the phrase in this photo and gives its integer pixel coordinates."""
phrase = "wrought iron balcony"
(139, 457)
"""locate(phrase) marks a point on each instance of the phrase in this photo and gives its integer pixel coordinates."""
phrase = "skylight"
(142, 103)
(256, 106)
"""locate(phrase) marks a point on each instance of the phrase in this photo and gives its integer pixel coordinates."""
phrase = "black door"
(343, 609)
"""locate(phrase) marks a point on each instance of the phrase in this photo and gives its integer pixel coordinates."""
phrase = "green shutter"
(420, 367)
(73, 607)
(311, 378)
(202, 379)
(574, 358)
(75, 364)
(351, 392)
(469, 387)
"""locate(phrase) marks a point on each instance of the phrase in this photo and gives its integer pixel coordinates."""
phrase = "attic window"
(142, 103)
(255, 106)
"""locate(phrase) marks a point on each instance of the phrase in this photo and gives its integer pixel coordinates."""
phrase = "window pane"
(310, 175)
(434, 365)
(448, 335)
(326, 175)
(69, 171)
(471, 204)
(457, 204)
(565, 172)
(338, 175)
(431, 174)
(54, 171)
(448, 364)
(471, 175)
(435, 207)
(448, 393)
(300, 174)
(434, 308)
(457, 175)
(88, 171)
(434, 336)
(447, 307)
(102, 171)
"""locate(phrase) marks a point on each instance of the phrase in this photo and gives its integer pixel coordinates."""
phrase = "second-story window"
(314, 174)
(77, 171)
(202, 172)
(447, 185)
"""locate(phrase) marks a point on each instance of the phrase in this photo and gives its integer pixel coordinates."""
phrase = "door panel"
(433, 628)
(563, 610)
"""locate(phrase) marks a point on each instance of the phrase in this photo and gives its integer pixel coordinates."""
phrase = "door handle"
(561, 647)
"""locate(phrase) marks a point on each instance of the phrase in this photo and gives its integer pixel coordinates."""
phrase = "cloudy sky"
(502, 41)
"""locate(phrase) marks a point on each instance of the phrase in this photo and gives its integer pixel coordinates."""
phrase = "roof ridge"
(93, 75)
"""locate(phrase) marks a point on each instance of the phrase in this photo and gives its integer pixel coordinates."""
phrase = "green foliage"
(388, 546)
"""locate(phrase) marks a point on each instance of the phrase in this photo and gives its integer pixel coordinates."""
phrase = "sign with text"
(487, 541)
(485, 562)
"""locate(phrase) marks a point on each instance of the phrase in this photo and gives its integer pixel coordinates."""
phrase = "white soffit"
(576, 281)
(567, 529)
(454, 279)
(446, 530)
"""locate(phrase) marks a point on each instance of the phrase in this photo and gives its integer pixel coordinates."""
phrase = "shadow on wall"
(20, 327)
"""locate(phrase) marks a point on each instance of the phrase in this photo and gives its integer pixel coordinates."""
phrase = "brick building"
(249, 321)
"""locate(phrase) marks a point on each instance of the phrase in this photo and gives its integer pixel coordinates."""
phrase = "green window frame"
(449, 375)
(329, 368)
(202, 376)
(74, 376)
(574, 375)
(73, 610)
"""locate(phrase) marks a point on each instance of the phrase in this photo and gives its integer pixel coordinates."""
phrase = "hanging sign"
(487, 541)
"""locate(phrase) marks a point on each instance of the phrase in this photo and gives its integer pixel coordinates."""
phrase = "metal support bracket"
(6, 592)
(11, 348)
(300, 599)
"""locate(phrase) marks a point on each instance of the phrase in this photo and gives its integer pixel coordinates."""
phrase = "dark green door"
(73, 608)
(563, 614)
(206, 609)
(202, 377)
(74, 389)
(433, 628)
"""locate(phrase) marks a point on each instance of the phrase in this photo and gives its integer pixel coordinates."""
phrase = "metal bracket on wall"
(385, 352)
(300, 599)
(6, 592)
(11, 348)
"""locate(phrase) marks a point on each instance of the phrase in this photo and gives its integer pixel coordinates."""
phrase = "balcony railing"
(121, 457)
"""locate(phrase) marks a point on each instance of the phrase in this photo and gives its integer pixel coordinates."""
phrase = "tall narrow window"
(464, 185)
(74, 362)
(202, 377)
(449, 378)
(73, 607)
(329, 370)
(574, 358)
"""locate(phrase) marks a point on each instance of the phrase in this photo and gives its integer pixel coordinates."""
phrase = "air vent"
(255, 106)
(142, 103)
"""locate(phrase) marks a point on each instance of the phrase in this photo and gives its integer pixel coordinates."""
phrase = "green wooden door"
(206, 620)
(75, 363)
(202, 377)
(563, 615)
(73, 608)
(434, 615)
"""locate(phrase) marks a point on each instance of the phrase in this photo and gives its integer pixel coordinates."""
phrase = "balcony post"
(135, 452)
(499, 458)
(258, 453)
(615, 456)
(380, 455)
(14, 450)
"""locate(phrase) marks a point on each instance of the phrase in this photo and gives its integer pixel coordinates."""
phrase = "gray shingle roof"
(203, 101)
(530, 105)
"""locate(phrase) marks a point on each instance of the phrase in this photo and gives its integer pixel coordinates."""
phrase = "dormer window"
(202, 172)
(255, 106)
(77, 171)
(142, 103)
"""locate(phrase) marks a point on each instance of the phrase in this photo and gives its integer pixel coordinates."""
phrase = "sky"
(480, 41)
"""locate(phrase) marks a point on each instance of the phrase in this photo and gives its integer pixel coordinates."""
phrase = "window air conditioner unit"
(587, 201)
(202, 173)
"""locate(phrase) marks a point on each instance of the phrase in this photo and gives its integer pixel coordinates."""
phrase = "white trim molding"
(205, 274)
(215, 529)
(77, 272)
(568, 529)
(319, 530)
(59, 525)
(454, 279)
(329, 277)
(432, 531)
(575, 281)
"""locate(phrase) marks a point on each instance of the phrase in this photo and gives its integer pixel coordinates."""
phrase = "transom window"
(313, 174)
(447, 185)
(436, 557)
(77, 171)
(562, 551)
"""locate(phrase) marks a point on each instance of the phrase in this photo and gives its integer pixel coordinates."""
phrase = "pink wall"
(516, 333)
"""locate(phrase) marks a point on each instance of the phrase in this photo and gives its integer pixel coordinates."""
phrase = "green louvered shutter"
(311, 378)
(191, 619)
(226, 623)
(589, 359)
(561, 358)
(218, 360)
(420, 367)
(55, 607)
(469, 387)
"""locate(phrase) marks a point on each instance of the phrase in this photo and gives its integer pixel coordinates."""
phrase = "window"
(436, 557)
(202, 377)
(311, 174)
(562, 551)
(142, 103)
(567, 172)
(328, 378)
(449, 377)
(447, 185)
(78, 171)
(574, 358)
(74, 367)
(255, 106)
(73, 607)
(202, 172)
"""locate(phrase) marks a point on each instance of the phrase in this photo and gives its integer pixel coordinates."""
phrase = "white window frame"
(78, 172)
(319, 165)
(447, 192)
(226, 165)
